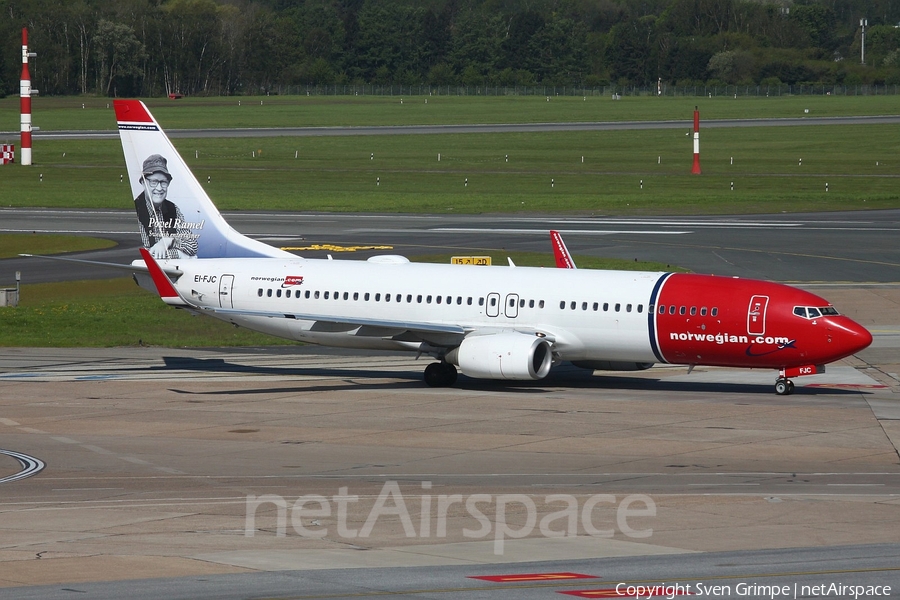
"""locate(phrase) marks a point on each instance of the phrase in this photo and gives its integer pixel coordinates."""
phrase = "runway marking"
(8, 422)
(334, 248)
(30, 466)
(545, 231)
(532, 577)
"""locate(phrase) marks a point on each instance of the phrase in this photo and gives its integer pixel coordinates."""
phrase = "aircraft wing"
(349, 322)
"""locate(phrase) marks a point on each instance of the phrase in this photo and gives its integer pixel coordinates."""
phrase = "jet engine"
(507, 355)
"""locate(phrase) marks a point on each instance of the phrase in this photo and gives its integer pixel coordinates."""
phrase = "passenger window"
(438, 299)
(269, 293)
(541, 304)
(326, 295)
(714, 312)
(641, 308)
(317, 294)
(627, 308)
(428, 299)
(693, 310)
(366, 296)
(493, 302)
(618, 307)
(682, 310)
(813, 313)
(573, 305)
(672, 310)
(356, 296)
(409, 298)
(449, 299)
(531, 304)
(419, 298)
(469, 300)
(650, 309)
(387, 297)
(562, 304)
(260, 292)
(605, 306)
(703, 312)
(307, 294)
(522, 303)
(595, 306)
(459, 300)
(584, 306)
(481, 302)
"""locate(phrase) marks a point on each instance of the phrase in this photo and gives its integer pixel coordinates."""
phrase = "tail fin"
(177, 218)
(560, 252)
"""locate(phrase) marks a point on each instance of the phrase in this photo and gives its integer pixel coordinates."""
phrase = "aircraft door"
(511, 308)
(756, 315)
(226, 282)
(493, 304)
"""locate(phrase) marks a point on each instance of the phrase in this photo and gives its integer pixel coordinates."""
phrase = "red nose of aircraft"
(846, 337)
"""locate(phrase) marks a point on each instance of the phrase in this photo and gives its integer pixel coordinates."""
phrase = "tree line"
(226, 47)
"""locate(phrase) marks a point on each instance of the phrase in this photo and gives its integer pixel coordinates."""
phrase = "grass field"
(13, 244)
(859, 164)
(302, 111)
(115, 312)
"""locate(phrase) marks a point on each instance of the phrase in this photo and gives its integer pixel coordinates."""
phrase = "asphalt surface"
(858, 247)
(742, 572)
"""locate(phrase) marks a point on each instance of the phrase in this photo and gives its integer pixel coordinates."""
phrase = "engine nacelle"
(507, 355)
(611, 365)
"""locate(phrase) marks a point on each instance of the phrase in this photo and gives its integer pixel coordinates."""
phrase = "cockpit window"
(811, 312)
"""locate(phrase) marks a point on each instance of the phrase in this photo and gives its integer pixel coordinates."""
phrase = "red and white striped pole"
(25, 101)
(696, 168)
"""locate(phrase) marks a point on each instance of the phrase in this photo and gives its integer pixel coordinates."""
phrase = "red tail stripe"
(132, 111)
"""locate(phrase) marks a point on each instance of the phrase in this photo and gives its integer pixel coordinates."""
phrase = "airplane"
(489, 322)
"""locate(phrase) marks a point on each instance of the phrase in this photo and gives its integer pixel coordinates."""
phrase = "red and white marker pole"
(696, 168)
(25, 101)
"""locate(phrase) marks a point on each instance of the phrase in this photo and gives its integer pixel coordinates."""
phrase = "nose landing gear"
(784, 387)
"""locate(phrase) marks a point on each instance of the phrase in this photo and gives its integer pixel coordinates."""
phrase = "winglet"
(167, 291)
(560, 252)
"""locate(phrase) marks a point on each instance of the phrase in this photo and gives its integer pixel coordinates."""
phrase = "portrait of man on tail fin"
(164, 230)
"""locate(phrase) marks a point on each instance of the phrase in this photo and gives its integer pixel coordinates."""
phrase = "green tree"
(119, 53)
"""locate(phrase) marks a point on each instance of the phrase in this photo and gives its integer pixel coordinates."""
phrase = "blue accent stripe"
(651, 317)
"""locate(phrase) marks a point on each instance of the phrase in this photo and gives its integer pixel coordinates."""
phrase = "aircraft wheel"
(440, 374)
(783, 387)
(790, 387)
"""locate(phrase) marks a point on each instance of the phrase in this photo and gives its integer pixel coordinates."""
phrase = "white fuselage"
(589, 315)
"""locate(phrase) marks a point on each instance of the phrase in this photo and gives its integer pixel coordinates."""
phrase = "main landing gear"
(440, 374)
(784, 387)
